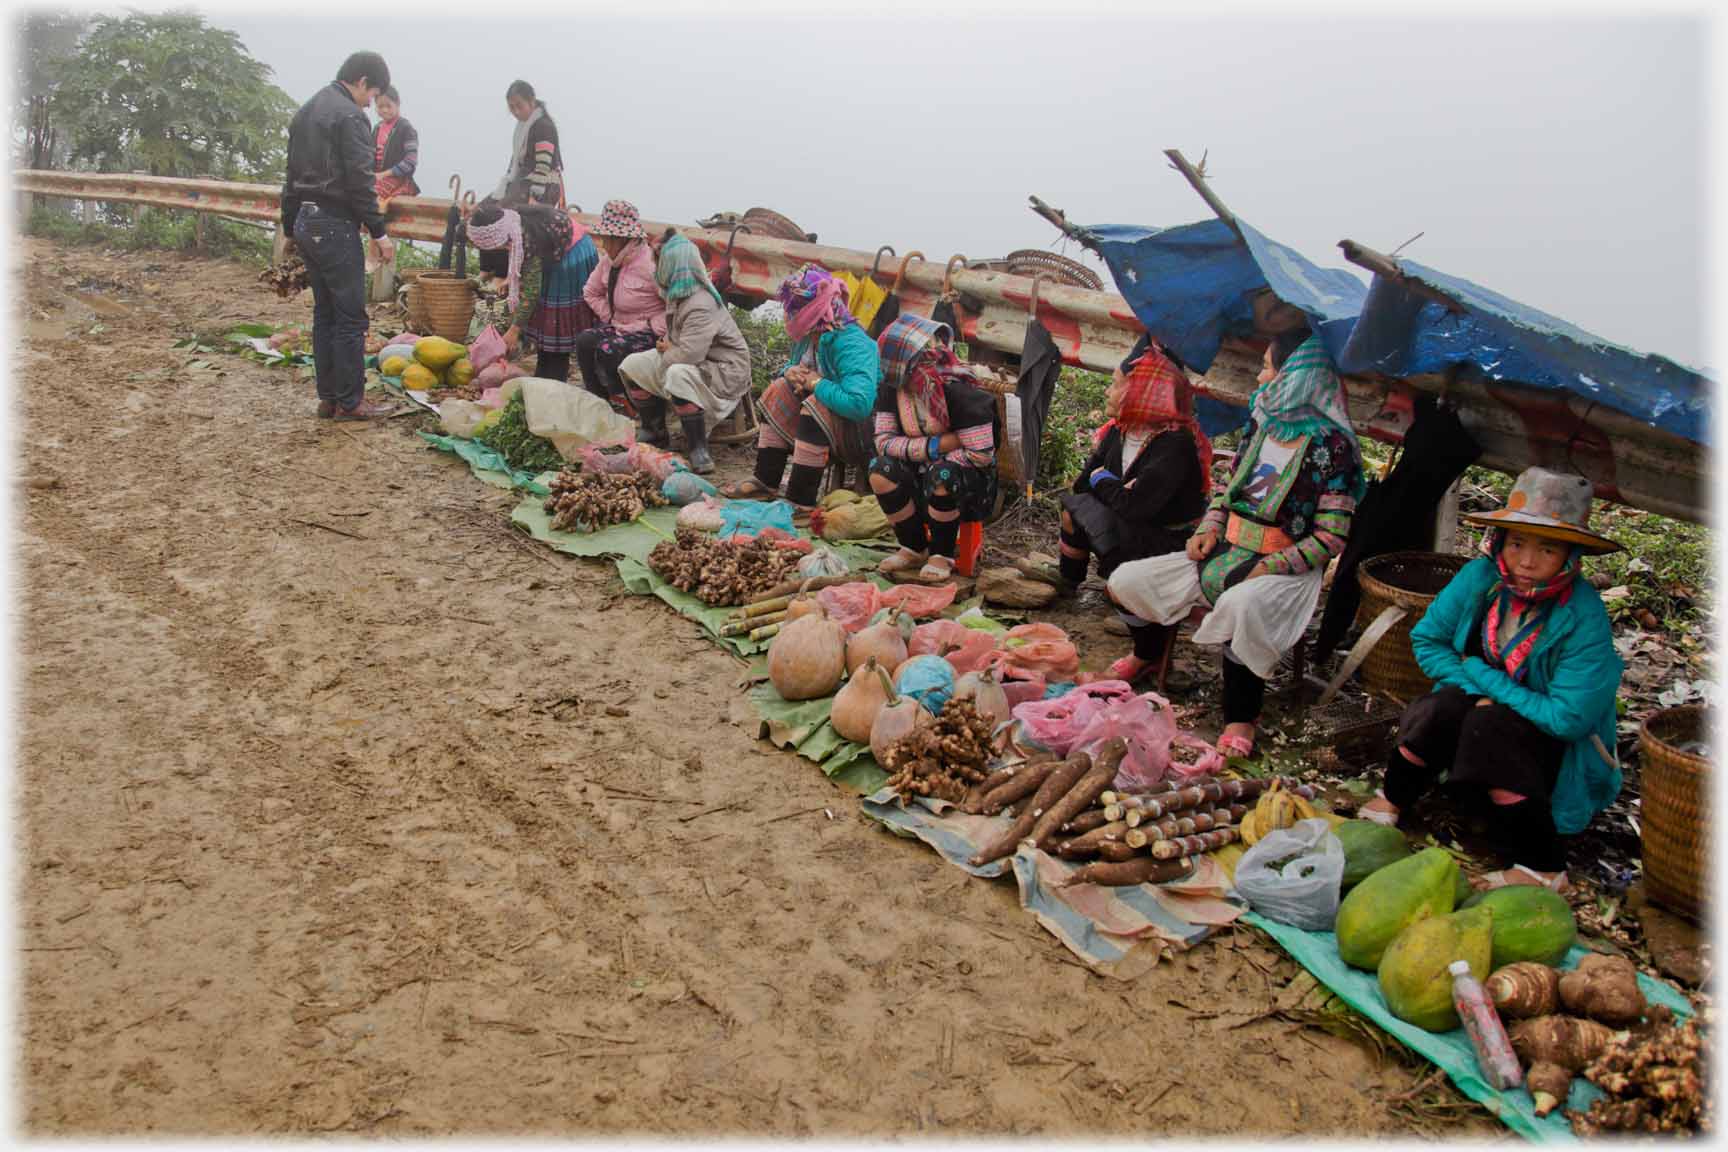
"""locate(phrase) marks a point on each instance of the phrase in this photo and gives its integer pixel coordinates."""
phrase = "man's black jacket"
(330, 161)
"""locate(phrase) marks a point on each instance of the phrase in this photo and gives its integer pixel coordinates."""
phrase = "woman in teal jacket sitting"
(1522, 655)
(822, 401)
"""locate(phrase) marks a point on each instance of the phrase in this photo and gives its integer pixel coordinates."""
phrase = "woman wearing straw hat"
(624, 297)
(1522, 715)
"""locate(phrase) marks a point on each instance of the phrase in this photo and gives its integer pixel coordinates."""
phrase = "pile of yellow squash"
(437, 363)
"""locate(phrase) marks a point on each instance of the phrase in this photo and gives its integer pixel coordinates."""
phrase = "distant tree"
(169, 95)
(46, 41)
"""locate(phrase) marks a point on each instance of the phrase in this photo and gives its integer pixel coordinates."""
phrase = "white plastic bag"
(1301, 892)
(568, 415)
(460, 416)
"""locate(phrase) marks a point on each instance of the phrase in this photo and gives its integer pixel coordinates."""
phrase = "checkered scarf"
(680, 270)
(814, 301)
(1158, 398)
(506, 230)
(916, 362)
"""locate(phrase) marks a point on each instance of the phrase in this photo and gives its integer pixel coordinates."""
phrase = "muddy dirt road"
(343, 808)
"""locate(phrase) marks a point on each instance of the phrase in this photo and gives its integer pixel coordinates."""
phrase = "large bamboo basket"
(1676, 811)
(445, 303)
(1409, 580)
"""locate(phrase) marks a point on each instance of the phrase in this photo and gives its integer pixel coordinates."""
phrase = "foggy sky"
(1559, 162)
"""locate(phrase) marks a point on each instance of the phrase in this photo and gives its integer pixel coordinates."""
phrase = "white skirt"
(677, 382)
(1259, 619)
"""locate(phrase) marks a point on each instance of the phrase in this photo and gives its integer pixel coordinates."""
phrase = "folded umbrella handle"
(905, 264)
(877, 263)
(1032, 299)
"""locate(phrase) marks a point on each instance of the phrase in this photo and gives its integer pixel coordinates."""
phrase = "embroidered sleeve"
(1335, 466)
(527, 293)
(541, 177)
(977, 447)
(404, 167)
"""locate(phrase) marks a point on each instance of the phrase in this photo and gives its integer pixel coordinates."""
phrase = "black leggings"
(806, 480)
(934, 524)
(1244, 693)
(552, 365)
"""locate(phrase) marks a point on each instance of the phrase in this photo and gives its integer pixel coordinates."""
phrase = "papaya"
(1530, 923)
(438, 353)
(393, 365)
(1368, 847)
(1392, 899)
(419, 377)
(1413, 973)
(459, 374)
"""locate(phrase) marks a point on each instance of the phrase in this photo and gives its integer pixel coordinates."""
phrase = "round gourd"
(898, 718)
(1530, 923)
(1413, 972)
(1368, 847)
(1391, 900)
(807, 659)
(986, 694)
(857, 704)
(886, 641)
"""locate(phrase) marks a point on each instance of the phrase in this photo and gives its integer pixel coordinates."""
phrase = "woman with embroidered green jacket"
(1522, 716)
(1257, 562)
(821, 403)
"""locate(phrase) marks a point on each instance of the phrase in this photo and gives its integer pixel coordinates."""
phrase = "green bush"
(1076, 411)
(769, 345)
(152, 228)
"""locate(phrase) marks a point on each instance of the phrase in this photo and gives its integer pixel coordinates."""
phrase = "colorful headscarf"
(814, 302)
(1507, 602)
(506, 230)
(1158, 398)
(916, 361)
(1305, 397)
(680, 270)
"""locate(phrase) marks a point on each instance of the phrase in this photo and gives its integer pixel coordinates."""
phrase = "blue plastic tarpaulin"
(1402, 333)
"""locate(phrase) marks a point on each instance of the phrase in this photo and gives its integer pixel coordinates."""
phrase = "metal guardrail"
(1517, 426)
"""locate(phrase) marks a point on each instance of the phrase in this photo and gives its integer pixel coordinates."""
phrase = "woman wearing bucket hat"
(1522, 715)
(625, 299)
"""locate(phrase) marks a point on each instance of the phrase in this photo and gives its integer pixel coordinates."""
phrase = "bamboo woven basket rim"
(1675, 811)
(1689, 713)
(1406, 598)
(1026, 261)
(775, 224)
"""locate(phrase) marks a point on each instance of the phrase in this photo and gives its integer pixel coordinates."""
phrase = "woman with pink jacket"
(632, 316)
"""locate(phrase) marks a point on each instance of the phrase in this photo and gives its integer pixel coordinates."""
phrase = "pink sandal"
(1234, 747)
(1147, 673)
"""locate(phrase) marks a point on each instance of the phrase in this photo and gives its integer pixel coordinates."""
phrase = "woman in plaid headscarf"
(1260, 554)
(1143, 490)
(936, 437)
(549, 259)
(820, 402)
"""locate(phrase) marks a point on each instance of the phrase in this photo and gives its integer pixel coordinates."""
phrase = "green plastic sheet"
(486, 463)
(804, 728)
(1450, 1051)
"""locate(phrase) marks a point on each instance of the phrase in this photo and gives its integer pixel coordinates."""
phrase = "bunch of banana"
(1276, 809)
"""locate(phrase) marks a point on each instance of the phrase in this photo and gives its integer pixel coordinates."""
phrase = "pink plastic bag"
(657, 462)
(1055, 724)
(487, 347)
(1023, 691)
(850, 605)
(965, 648)
(609, 458)
(1040, 649)
(1148, 726)
(918, 601)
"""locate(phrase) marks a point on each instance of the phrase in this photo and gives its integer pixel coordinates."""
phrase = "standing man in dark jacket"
(327, 198)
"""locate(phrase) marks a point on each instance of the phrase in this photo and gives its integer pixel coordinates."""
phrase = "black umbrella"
(1040, 366)
(1397, 514)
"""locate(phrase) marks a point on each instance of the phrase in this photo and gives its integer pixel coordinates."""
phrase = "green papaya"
(1530, 923)
(1368, 847)
(1414, 975)
(1391, 900)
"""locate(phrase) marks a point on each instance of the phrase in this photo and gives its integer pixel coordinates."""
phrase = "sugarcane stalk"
(1185, 824)
(810, 584)
(1193, 845)
(764, 607)
(742, 627)
(767, 633)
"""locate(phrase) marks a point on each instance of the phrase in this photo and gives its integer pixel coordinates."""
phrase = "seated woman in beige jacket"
(702, 366)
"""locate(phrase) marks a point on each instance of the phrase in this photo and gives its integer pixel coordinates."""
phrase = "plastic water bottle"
(1494, 1055)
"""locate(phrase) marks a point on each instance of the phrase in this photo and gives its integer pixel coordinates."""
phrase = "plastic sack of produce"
(928, 680)
(1041, 649)
(917, 600)
(683, 488)
(822, 562)
(657, 462)
(606, 457)
(965, 648)
(460, 417)
(1293, 875)
(703, 515)
(1054, 725)
(568, 415)
(1149, 727)
(486, 348)
(750, 517)
(789, 541)
(853, 518)
(851, 605)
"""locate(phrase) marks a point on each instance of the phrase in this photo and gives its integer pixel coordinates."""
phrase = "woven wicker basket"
(1001, 385)
(1676, 811)
(446, 303)
(767, 222)
(1409, 580)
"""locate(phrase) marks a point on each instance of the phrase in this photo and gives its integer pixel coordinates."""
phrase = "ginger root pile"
(589, 502)
(1654, 1078)
(943, 759)
(287, 278)
(719, 571)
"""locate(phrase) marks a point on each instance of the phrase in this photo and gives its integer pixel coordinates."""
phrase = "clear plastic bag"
(568, 415)
(1149, 727)
(681, 488)
(822, 562)
(1301, 892)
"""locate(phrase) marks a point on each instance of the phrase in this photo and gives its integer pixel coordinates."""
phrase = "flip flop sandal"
(1147, 674)
(1235, 747)
(1389, 819)
(900, 561)
(750, 489)
(936, 573)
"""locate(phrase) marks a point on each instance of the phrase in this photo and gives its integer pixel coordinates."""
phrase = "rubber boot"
(653, 414)
(696, 438)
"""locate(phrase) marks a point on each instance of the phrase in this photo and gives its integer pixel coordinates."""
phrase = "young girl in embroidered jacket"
(1261, 552)
(936, 434)
(1522, 715)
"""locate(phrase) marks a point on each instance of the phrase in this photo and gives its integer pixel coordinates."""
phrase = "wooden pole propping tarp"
(1382, 265)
